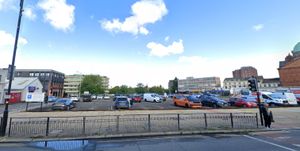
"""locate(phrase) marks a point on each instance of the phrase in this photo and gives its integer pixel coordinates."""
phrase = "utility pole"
(12, 68)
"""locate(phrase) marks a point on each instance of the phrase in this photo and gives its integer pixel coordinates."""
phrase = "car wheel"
(272, 105)
(175, 103)
(244, 106)
(187, 105)
(154, 100)
(145, 100)
(68, 108)
(215, 106)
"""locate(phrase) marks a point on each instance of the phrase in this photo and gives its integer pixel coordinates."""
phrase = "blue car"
(212, 101)
(122, 102)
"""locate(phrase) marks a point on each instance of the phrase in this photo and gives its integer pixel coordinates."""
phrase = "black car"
(212, 101)
(86, 98)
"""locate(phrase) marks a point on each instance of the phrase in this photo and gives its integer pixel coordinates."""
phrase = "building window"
(36, 74)
(47, 74)
(42, 74)
(31, 74)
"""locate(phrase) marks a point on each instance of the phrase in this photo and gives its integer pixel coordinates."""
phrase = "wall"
(37, 84)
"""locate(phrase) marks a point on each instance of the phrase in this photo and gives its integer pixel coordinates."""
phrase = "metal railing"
(125, 124)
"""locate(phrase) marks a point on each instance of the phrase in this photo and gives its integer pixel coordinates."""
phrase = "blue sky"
(150, 41)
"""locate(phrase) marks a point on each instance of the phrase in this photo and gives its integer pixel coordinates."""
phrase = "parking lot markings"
(267, 142)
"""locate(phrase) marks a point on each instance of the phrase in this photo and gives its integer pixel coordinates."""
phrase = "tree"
(157, 89)
(115, 90)
(93, 84)
(140, 88)
(174, 87)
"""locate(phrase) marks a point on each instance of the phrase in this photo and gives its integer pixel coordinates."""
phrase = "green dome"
(297, 47)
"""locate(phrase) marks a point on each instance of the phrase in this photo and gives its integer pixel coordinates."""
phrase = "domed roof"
(297, 47)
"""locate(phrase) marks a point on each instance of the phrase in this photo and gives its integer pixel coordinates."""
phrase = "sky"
(150, 41)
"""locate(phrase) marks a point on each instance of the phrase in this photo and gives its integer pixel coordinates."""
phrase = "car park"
(188, 102)
(212, 101)
(63, 104)
(122, 102)
(151, 97)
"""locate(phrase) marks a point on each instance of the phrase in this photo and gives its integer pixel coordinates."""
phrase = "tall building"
(72, 85)
(105, 82)
(245, 72)
(3, 82)
(289, 69)
(52, 81)
(191, 84)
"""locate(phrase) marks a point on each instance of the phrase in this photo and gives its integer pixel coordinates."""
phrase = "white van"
(279, 98)
(151, 97)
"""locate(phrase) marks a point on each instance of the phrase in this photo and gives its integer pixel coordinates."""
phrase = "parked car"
(188, 102)
(52, 98)
(298, 98)
(243, 101)
(137, 98)
(212, 101)
(279, 98)
(151, 97)
(74, 98)
(106, 97)
(246, 102)
(63, 104)
(122, 102)
(94, 97)
(86, 98)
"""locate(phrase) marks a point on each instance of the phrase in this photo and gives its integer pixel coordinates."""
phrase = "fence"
(125, 124)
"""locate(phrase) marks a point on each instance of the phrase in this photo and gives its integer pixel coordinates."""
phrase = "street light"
(12, 67)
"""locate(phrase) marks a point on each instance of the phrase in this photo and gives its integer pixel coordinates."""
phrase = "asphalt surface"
(263, 141)
(18, 107)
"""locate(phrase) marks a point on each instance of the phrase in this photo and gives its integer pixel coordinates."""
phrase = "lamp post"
(12, 67)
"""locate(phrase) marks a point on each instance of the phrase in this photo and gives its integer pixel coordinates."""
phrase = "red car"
(245, 102)
(137, 99)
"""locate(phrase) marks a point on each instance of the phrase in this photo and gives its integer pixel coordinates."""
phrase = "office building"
(244, 72)
(72, 85)
(195, 85)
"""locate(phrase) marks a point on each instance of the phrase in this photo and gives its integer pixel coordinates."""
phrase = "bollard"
(178, 122)
(83, 125)
(205, 120)
(231, 119)
(47, 126)
(149, 123)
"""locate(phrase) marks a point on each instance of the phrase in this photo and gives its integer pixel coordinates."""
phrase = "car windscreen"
(122, 99)
(277, 96)
(61, 101)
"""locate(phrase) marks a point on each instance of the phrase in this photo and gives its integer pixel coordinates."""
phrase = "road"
(263, 141)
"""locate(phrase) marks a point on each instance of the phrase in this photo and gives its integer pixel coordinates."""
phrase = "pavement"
(288, 140)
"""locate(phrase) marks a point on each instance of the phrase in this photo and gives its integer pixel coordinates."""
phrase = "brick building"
(244, 72)
(289, 69)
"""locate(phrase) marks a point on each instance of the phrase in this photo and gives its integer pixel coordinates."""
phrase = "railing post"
(149, 123)
(178, 122)
(117, 125)
(256, 116)
(83, 125)
(231, 119)
(9, 128)
(47, 126)
(205, 120)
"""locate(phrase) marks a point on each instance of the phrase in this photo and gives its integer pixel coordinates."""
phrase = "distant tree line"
(139, 89)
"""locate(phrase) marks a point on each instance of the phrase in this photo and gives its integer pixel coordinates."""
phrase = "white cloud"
(258, 27)
(143, 12)
(7, 39)
(58, 13)
(157, 49)
(28, 12)
(7, 4)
